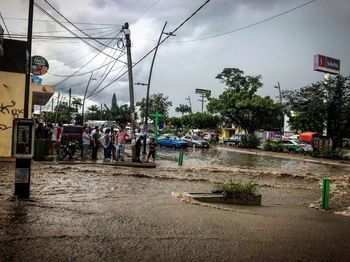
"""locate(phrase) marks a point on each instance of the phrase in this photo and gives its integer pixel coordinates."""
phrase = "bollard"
(181, 158)
(325, 193)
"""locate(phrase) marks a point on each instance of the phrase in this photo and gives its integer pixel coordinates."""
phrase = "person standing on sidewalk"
(152, 150)
(106, 145)
(121, 140)
(113, 143)
(56, 139)
(95, 136)
(138, 148)
(86, 142)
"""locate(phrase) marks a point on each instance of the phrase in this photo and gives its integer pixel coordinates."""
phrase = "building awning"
(41, 94)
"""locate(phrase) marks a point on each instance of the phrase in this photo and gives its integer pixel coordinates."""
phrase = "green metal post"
(181, 158)
(325, 193)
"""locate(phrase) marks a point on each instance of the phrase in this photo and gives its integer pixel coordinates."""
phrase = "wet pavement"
(100, 212)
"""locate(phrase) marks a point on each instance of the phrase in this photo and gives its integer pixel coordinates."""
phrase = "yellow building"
(12, 86)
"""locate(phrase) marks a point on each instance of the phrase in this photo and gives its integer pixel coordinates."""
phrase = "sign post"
(156, 115)
(204, 93)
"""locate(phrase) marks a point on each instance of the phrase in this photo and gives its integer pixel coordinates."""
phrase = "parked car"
(307, 147)
(195, 141)
(233, 140)
(171, 141)
(296, 146)
(71, 133)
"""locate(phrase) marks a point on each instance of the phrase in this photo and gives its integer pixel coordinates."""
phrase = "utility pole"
(22, 190)
(58, 101)
(189, 100)
(86, 89)
(280, 95)
(69, 103)
(202, 100)
(70, 98)
(101, 112)
(52, 101)
(131, 82)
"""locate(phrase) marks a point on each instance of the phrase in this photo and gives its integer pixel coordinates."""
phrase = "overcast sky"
(280, 49)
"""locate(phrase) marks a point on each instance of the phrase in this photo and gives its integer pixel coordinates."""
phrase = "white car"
(307, 147)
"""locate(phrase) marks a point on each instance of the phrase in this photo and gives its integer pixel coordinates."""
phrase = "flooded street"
(96, 212)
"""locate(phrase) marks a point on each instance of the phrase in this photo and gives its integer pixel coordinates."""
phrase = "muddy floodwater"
(96, 212)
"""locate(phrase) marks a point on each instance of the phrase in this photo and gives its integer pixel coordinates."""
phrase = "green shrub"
(249, 141)
(327, 152)
(231, 188)
(275, 146)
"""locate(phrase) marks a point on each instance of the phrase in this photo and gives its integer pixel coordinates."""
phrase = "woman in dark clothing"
(138, 148)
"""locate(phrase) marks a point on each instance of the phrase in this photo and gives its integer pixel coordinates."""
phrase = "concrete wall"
(11, 106)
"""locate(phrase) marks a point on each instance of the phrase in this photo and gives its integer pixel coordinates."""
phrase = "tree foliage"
(183, 109)
(77, 103)
(197, 120)
(320, 106)
(201, 120)
(157, 103)
(241, 106)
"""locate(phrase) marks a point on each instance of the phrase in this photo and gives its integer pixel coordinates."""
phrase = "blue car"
(171, 141)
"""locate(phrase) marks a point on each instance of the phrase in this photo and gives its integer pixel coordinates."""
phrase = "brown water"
(95, 212)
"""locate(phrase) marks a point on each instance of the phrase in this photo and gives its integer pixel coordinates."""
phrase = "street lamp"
(86, 89)
(149, 84)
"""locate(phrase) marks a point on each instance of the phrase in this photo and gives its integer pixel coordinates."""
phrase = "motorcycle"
(68, 150)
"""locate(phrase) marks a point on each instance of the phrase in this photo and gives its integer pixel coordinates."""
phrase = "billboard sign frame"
(204, 92)
(326, 64)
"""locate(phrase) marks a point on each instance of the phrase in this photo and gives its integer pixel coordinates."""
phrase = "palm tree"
(93, 108)
(77, 102)
(183, 109)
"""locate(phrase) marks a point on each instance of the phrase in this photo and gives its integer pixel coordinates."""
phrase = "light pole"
(189, 100)
(86, 89)
(149, 85)
(280, 94)
(279, 90)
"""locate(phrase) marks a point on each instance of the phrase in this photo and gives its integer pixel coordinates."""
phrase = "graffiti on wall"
(9, 109)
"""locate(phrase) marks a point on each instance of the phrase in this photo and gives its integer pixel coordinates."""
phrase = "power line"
(45, 12)
(50, 21)
(92, 38)
(145, 11)
(74, 74)
(139, 61)
(247, 26)
(47, 37)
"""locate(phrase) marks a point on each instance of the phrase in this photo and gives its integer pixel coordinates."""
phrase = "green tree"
(77, 103)
(175, 122)
(93, 113)
(114, 105)
(240, 105)
(157, 103)
(183, 109)
(320, 106)
(201, 120)
(124, 115)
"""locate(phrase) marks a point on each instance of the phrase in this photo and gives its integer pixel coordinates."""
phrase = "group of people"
(51, 133)
(113, 143)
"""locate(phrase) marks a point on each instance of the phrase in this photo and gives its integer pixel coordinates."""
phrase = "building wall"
(11, 106)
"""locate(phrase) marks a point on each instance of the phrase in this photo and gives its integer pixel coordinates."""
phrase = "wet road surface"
(106, 213)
